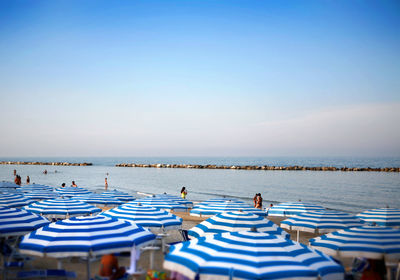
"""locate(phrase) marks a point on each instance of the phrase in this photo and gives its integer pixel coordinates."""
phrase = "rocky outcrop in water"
(264, 167)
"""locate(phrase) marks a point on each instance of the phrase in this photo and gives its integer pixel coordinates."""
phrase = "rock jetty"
(46, 163)
(264, 167)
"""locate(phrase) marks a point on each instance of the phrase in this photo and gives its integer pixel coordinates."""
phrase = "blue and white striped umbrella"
(368, 242)
(235, 221)
(125, 197)
(98, 199)
(9, 185)
(321, 221)
(159, 203)
(175, 198)
(85, 237)
(72, 191)
(16, 222)
(62, 208)
(40, 195)
(145, 216)
(10, 190)
(35, 187)
(216, 208)
(219, 200)
(387, 217)
(291, 209)
(14, 200)
(250, 255)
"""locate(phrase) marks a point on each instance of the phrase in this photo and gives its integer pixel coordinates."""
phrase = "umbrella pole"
(298, 235)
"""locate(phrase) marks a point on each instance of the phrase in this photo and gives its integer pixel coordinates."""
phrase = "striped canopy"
(61, 208)
(235, 221)
(219, 200)
(35, 187)
(159, 203)
(120, 195)
(228, 206)
(175, 198)
(16, 222)
(250, 255)
(40, 195)
(10, 190)
(145, 216)
(321, 221)
(387, 217)
(9, 185)
(98, 199)
(72, 191)
(85, 237)
(13, 200)
(368, 242)
(291, 209)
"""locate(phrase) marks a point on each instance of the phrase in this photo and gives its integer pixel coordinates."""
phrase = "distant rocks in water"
(46, 163)
(264, 167)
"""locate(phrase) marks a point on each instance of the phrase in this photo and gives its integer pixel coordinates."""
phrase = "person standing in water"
(73, 184)
(183, 192)
(105, 184)
(28, 180)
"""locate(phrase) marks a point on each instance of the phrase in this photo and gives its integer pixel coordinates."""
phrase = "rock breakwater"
(264, 167)
(46, 163)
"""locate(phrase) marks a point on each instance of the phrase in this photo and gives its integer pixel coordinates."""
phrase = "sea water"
(346, 191)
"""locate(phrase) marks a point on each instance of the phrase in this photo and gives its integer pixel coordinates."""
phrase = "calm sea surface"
(347, 191)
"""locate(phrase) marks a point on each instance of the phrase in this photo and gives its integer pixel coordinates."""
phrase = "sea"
(351, 192)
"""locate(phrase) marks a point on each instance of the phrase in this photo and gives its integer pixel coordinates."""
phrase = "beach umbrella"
(98, 199)
(62, 208)
(40, 195)
(16, 222)
(319, 222)
(387, 217)
(159, 203)
(8, 185)
(367, 241)
(228, 206)
(291, 209)
(35, 187)
(14, 200)
(10, 190)
(145, 216)
(219, 200)
(175, 198)
(72, 191)
(120, 195)
(235, 221)
(85, 237)
(250, 255)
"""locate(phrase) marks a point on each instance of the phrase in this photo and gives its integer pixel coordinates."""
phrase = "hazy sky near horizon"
(199, 77)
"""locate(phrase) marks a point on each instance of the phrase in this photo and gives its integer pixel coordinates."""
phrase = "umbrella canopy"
(35, 187)
(13, 200)
(291, 209)
(235, 221)
(72, 191)
(368, 242)
(62, 208)
(120, 195)
(40, 195)
(219, 200)
(145, 216)
(175, 198)
(98, 199)
(228, 206)
(85, 237)
(387, 217)
(16, 222)
(250, 255)
(321, 221)
(9, 185)
(159, 203)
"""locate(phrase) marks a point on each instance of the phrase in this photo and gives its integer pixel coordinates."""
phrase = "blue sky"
(239, 78)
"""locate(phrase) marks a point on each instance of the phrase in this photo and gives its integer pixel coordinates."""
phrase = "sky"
(199, 78)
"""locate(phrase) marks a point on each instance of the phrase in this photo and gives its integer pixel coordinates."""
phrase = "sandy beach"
(79, 266)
